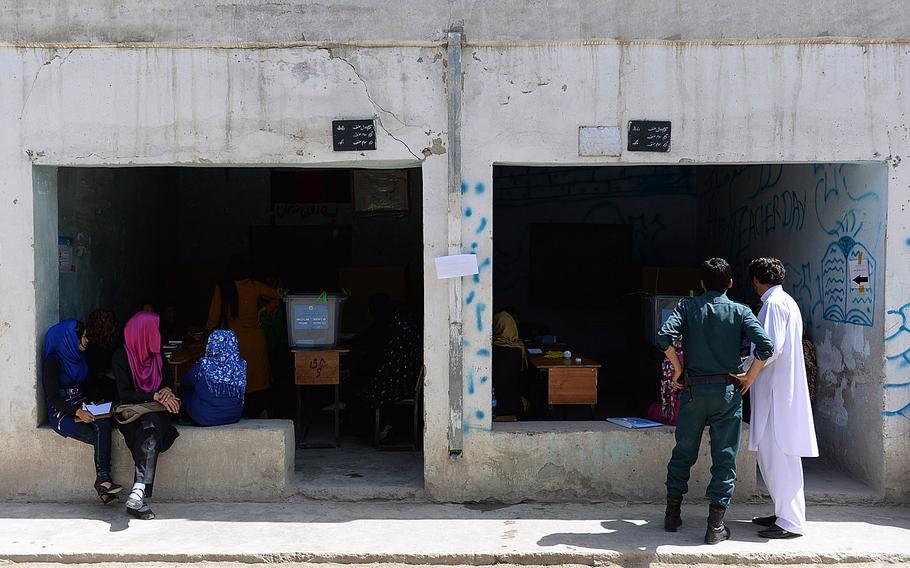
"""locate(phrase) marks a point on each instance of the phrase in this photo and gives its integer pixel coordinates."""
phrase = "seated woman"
(509, 362)
(212, 391)
(66, 389)
(140, 377)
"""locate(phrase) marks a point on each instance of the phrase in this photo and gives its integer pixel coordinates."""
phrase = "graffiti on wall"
(476, 402)
(848, 276)
(848, 267)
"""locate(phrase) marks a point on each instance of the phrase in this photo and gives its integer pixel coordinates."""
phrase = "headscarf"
(100, 328)
(505, 334)
(222, 367)
(143, 349)
(62, 343)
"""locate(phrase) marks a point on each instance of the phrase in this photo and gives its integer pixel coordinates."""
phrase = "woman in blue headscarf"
(212, 392)
(66, 389)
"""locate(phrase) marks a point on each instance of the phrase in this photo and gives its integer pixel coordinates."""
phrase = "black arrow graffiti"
(861, 279)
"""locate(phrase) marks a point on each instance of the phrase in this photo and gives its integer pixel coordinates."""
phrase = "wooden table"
(318, 367)
(183, 359)
(568, 382)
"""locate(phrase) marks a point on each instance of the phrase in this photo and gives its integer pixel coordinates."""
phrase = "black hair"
(767, 270)
(237, 269)
(716, 275)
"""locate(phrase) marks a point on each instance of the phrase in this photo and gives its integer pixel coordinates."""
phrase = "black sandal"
(107, 494)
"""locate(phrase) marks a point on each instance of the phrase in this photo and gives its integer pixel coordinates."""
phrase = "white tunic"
(780, 394)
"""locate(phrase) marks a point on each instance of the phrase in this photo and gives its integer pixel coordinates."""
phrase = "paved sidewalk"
(435, 534)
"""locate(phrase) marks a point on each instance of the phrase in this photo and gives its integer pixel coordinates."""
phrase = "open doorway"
(160, 239)
(592, 259)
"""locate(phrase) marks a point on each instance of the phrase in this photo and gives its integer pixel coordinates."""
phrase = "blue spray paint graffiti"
(482, 226)
(483, 352)
(470, 298)
(480, 309)
(468, 212)
(848, 298)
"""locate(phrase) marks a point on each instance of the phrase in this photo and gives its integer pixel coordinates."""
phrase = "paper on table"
(535, 351)
(456, 266)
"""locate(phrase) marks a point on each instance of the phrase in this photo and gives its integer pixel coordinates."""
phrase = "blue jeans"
(97, 434)
(720, 407)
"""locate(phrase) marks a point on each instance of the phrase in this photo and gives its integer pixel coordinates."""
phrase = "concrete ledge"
(565, 461)
(252, 460)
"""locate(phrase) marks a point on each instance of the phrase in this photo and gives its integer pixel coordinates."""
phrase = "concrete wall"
(224, 22)
(202, 465)
(814, 218)
(785, 102)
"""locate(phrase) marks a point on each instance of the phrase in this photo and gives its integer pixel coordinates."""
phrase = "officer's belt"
(708, 380)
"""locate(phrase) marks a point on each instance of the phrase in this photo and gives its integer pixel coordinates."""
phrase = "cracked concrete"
(377, 106)
(38, 74)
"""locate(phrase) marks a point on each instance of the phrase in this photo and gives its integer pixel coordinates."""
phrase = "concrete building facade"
(798, 122)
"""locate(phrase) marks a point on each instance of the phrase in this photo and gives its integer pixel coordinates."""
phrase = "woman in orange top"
(237, 306)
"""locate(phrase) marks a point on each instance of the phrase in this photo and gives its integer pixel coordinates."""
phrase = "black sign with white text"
(353, 135)
(649, 136)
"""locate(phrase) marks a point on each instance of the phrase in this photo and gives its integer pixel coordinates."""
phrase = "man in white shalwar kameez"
(782, 429)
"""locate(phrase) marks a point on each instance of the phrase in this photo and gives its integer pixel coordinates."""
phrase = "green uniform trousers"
(720, 407)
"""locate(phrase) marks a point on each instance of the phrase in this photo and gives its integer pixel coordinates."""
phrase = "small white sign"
(859, 274)
(456, 266)
(599, 141)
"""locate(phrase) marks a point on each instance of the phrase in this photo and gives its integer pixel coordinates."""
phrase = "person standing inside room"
(238, 304)
(713, 327)
(141, 378)
(783, 431)
(66, 389)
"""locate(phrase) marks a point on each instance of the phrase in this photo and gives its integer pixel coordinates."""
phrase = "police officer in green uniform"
(712, 328)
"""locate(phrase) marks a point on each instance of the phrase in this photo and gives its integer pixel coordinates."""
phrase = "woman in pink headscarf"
(141, 377)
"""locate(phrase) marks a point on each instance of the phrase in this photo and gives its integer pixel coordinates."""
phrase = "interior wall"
(184, 224)
(47, 281)
(817, 219)
(216, 208)
(121, 228)
(658, 202)
(394, 240)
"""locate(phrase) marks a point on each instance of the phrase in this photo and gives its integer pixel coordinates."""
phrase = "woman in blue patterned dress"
(212, 391)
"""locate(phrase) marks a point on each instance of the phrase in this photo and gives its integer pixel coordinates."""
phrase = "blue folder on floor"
(634, 422)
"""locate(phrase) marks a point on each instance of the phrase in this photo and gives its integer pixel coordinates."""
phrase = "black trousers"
(145, 457)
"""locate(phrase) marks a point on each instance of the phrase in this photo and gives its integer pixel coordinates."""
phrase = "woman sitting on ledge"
(140, 378)
(65, 391)
(212, 391)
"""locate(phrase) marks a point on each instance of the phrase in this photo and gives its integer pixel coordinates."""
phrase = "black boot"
(717, 531)
(672, 518)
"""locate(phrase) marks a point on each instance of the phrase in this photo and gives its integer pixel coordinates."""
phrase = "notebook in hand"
(102, 410)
